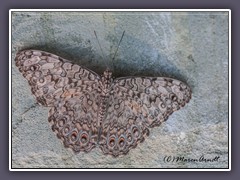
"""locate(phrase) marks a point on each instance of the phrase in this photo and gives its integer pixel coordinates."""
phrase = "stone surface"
(189, 46)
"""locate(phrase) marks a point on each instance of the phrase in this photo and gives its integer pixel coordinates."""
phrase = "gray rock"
(189, 46)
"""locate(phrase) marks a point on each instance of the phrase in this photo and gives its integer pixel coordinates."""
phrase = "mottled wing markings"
(88, 110)
(71, 92)
(137, 104)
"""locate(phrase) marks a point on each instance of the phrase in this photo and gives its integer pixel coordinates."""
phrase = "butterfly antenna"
(99, 43)
(118, 46)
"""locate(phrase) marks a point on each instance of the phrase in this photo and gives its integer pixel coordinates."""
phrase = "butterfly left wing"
(71, 92)
(137, 104)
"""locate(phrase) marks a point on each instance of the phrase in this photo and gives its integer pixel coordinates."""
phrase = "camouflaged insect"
(88, 110)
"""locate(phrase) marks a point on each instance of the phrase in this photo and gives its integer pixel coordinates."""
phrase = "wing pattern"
(137, 104)
(88, 110)
(71, 92)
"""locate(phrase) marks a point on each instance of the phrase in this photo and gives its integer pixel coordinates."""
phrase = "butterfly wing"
(71, 92)
(137, 104)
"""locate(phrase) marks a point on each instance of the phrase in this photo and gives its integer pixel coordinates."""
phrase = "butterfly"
(88, 110)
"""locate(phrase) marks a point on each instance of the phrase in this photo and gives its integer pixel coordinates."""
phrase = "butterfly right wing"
(137, 104)
(71, 92)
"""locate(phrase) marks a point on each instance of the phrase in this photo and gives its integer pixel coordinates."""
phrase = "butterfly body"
(88, 110)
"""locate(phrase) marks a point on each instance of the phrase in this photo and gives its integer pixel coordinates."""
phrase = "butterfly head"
(106, 81)
(107, 75)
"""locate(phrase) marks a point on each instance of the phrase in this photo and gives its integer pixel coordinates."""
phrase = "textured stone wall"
(189, 46)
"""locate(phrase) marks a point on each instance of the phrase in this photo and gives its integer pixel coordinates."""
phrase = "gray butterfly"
(88, 110)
